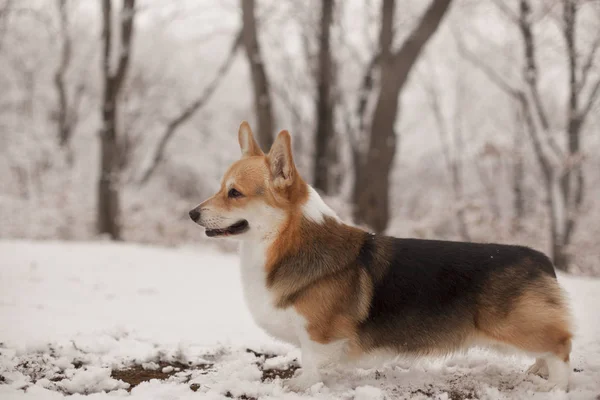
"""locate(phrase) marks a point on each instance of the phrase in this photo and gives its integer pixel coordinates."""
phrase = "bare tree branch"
(406, 56)
(534, 135)
(589, 63)
(506, 10)
(191, 109)
(293, 108)
(515, 93)
(432, 90)
(591, 100)
(343, 36)
(487, 70)
(531, 72)
(531, 68)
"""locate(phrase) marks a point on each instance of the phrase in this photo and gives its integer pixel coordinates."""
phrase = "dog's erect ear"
(247, 143)
(281, 161)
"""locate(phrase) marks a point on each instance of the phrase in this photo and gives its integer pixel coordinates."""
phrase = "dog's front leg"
(314, 355)
(309, 373)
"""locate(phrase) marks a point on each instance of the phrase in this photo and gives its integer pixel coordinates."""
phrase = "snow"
(368, 393)
(71, 313)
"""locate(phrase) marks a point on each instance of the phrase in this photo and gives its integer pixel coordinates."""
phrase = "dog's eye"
(233, 194)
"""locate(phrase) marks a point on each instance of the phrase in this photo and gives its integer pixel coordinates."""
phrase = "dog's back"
(437, 296)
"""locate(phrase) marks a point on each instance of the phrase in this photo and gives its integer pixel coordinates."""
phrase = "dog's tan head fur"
(257, 193)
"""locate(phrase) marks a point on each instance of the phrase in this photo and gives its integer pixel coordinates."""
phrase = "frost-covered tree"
(561, 165)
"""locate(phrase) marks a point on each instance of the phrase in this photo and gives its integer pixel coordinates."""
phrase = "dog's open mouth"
(237, 228)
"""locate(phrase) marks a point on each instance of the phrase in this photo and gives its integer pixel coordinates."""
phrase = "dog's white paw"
(549, 386)
(303, 381)
(539, 368)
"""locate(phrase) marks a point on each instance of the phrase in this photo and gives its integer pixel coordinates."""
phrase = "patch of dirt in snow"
(457, 394)
(270, 374)
(136, 374)
(229, 395)
(273, 373)
(71, 372)
(453, 394)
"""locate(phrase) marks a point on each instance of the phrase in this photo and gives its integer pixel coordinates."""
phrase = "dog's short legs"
(309, 374)
(540, 367)
(559, 369)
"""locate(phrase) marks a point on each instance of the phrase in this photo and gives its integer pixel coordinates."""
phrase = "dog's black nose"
(195, 215)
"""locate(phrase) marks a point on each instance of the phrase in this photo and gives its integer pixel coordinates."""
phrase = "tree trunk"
(108, 191)
(533, 108)
(260, 81)
(4, 11)
(324, 135)
(371, 184)
(572, 184)
(372, 202)
(557, 218)
(63, 124)
(108, 217)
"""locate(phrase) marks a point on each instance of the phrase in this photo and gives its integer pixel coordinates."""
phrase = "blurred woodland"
(469, 120)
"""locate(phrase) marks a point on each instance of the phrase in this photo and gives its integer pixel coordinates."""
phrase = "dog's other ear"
(281, 161)
(247, 143)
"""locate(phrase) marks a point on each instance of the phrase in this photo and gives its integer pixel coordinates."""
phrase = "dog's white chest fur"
(279, 323)
(283, 324)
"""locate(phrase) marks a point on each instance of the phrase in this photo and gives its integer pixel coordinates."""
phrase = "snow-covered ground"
(73, 314)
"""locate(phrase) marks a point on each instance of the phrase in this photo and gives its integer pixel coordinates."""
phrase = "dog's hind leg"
(558, 371)
(559, 368)
(536, 322)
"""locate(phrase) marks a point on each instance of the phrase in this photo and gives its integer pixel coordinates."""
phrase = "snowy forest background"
(477, 119)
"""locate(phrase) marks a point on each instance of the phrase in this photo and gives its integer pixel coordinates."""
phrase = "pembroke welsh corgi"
(339, 292)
